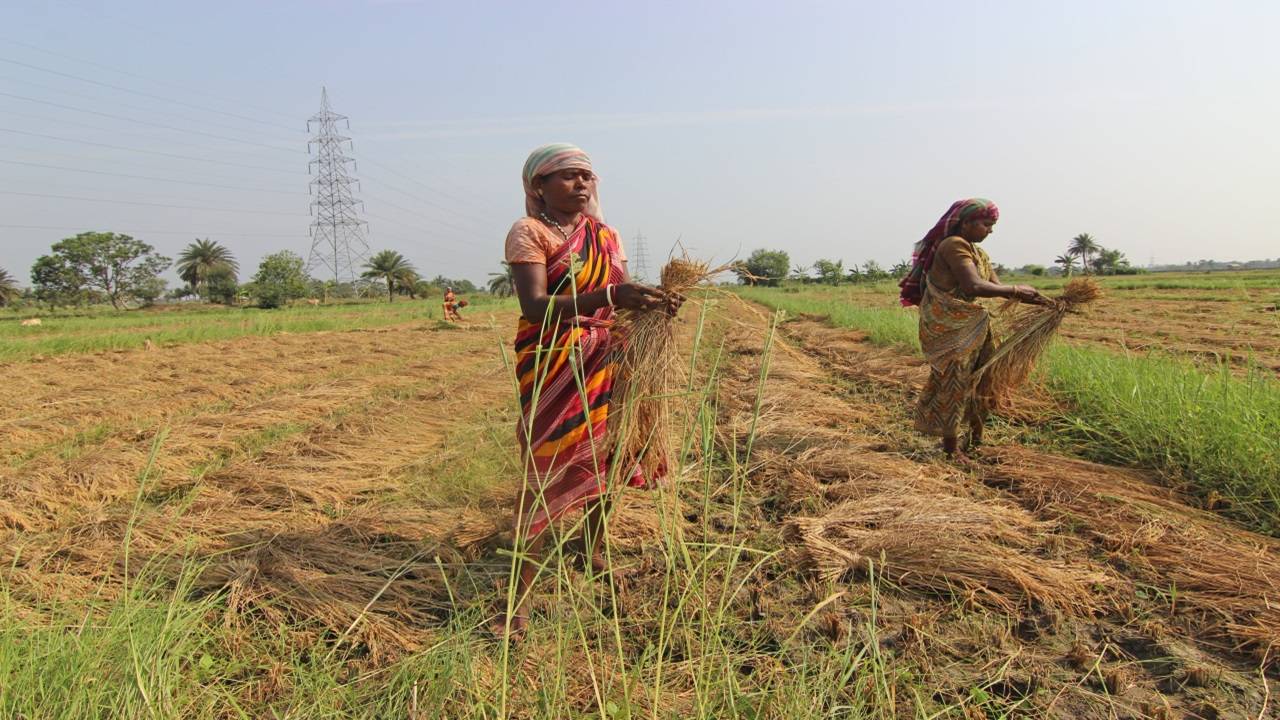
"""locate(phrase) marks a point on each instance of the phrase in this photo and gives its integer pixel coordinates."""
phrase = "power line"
(143, 134)
(435, 190)
(118, 104)
(147, 152)
(149, 177)
(209, 233)
(389, 169)
(128, 73)
(435, 220)
(100, 65)
(114, 162)
(162, 126)
(146, 204)
(438, 206)
(139, 93)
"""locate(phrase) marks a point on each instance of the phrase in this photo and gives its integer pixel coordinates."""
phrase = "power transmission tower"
(639, 259)
(338, 244)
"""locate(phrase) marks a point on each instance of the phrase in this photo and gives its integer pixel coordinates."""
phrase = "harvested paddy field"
(316, 525)
(1228, 318)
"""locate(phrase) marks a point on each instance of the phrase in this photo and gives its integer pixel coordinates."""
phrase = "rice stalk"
(649, 372)
(1030, 329)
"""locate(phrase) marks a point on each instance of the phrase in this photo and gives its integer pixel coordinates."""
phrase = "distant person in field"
(451, 305)
(949, 273)
(570, 274)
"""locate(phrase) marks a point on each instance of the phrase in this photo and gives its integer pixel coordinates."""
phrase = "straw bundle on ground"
(985, 551)
(649, 371)
(1030, 328)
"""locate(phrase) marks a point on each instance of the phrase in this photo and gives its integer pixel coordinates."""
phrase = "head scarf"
(554, 158)
(922, 256)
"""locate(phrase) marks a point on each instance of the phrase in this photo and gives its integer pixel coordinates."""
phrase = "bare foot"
(974, 439)
(960, 458)
(519, 625)
(578, 548)
(599, 565)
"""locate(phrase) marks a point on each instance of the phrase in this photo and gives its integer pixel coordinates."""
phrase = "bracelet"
(608, 294)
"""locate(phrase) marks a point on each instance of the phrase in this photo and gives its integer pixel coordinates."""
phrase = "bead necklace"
(547, 219)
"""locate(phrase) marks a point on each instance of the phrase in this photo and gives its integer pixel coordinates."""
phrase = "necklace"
(547, 219)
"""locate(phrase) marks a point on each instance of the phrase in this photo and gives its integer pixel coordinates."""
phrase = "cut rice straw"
(1030, 329)
(649, 371)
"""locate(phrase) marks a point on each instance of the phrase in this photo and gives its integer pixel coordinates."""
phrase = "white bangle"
(608, 294)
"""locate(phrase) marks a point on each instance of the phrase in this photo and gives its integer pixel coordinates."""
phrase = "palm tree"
(391, 267)
(1068, 263)
(503, 284)
(1082, 246)
(8, 288)
(198, 261)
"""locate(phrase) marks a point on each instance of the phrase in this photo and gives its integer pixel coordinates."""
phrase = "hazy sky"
(837, 130)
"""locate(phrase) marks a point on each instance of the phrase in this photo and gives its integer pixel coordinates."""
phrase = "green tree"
(53, 282)
(391, 267)
(1082, 246)
(503, 284)
(9, 292)
(410, 285)
(1110, 262)
(201, 259)
(900, 269)
(425, 288)
(116, 265)
(872, 271)
(150, 290)
(764, 267)
(280, 278)
(460, 285)
(221, 285)
(1067, 262)
(829, 272)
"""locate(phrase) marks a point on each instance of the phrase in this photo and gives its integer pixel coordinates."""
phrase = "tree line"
(107, 267)
(773, 267)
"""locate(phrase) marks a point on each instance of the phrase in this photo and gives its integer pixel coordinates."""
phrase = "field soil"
(352, 488)
(1240, 328)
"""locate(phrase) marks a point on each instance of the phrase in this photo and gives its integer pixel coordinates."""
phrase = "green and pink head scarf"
(922, 256)
(554, 158)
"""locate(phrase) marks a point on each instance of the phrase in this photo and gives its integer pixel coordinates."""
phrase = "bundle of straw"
(1030, 328)
(649, 372)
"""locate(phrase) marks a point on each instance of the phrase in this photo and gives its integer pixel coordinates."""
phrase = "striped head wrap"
(554, 158)
(922, 255)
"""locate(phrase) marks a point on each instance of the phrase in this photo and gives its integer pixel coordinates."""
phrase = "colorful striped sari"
(956, 337)
(566, 371)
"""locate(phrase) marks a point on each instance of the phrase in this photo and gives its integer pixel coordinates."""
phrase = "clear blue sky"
(837, 130)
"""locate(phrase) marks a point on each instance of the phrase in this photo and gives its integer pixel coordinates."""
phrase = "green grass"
(883, 325)
(1211, 431)
(97, 331)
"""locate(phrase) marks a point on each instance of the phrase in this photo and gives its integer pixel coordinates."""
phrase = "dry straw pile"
(1029, 330)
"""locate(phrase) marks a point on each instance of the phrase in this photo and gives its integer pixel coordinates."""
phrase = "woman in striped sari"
(949, 274)
(570, 274)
